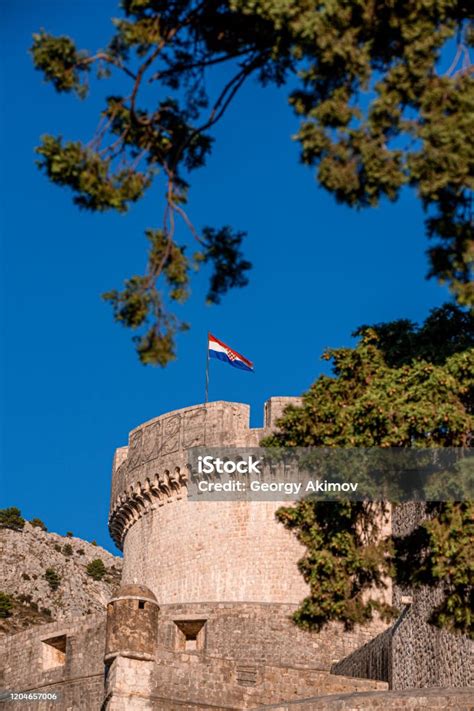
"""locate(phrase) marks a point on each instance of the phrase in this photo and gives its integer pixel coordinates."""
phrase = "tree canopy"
(12, 518)
(375, 115)
(392, 389)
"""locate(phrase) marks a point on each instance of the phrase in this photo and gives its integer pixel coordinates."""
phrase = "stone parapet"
(152, 471)
(263, 633)
(61, 658)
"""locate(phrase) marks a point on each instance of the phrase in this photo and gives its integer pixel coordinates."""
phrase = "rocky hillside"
(46, 577)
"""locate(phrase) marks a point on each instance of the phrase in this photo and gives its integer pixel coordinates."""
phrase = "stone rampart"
(373, 660)
(222, 683)
(262, 633)
(422, 654)
(65, 658)
(68, 660)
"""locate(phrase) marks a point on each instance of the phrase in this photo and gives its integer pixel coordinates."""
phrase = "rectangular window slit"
(53, 652)
(190, 635)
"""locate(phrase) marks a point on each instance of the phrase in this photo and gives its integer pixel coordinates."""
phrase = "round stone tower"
(132, 623)
(189, 551)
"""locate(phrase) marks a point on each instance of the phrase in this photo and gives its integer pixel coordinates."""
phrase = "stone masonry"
(202, 619)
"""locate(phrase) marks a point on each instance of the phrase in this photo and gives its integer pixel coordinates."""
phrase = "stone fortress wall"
(203, 618)
(169, 679)
(246, 658)
(64, 658)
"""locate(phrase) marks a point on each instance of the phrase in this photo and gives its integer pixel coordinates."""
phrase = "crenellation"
(153, 468)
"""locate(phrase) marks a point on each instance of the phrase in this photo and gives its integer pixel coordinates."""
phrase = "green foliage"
(38, 523)
(96, 569)
(222, 249)
(375, 115)
(392, 389)
(6, 604)
(57, 547)
(69, 534)
(61, 63)
(400, 386)
(93, 543)
(67, 550)
(446, 331)
(167, 136)
(141, 304)
(11, 518)
(347, 558)
(415, 127)
(90, 176)
(53, 578)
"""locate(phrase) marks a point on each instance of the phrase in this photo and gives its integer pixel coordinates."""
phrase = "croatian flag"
(219, 350)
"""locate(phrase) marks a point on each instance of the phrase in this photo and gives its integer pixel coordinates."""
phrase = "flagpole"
(207, 371)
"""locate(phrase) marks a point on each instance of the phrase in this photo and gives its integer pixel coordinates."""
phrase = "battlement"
(151, 470)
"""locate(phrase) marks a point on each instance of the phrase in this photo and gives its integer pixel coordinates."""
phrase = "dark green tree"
(376, 115)
(53, 578)
(96, 569)
(11, 518)
(393, 389)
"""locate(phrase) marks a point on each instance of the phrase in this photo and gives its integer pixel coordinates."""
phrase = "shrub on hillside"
(6, 604)
(53, 578)
(11, 518)
(38, 523)
(96, 569)
(67, 550)
(25, 599)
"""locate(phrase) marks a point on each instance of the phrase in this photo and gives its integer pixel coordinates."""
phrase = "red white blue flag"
(219, 350)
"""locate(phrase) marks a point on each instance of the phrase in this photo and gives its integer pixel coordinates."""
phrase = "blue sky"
(71, 386)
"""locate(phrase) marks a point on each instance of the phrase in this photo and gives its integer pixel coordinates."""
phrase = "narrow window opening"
(190, 635)
(53, 652)
(141, 605)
